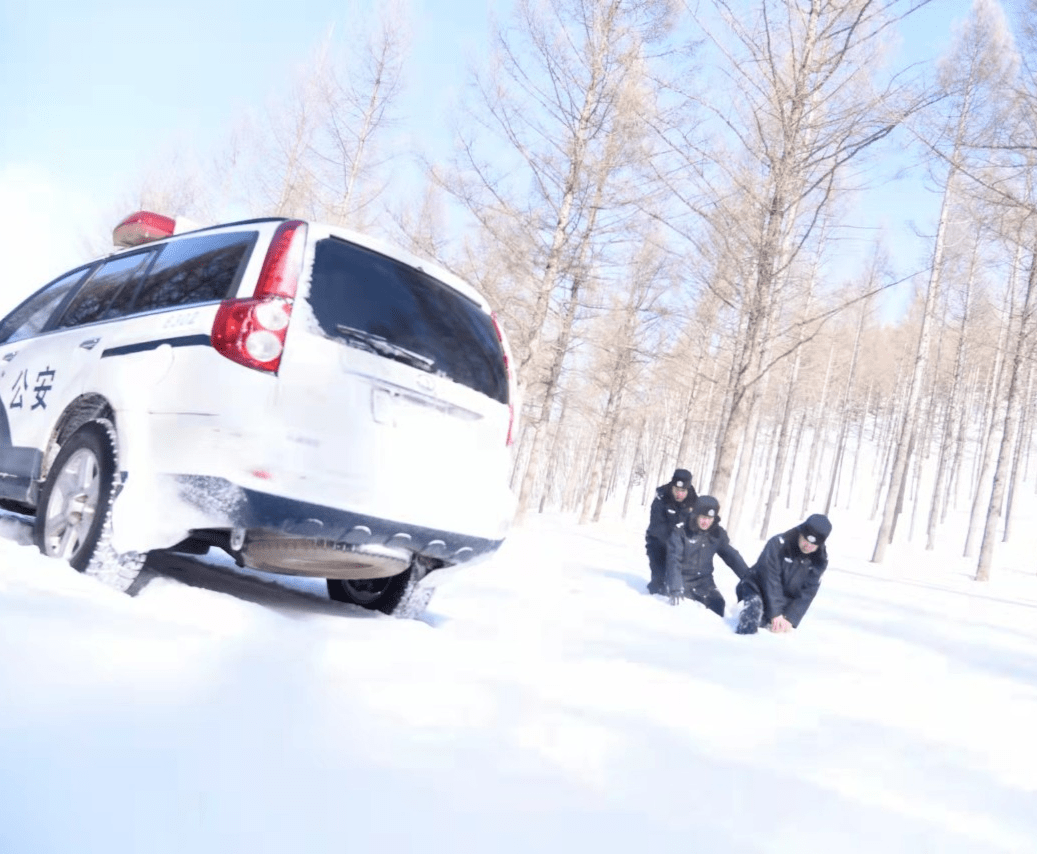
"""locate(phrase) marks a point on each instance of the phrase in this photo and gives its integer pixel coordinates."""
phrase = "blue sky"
(91, 93)
(93, 89)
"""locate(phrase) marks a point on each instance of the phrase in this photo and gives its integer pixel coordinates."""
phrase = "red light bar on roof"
(142, 227)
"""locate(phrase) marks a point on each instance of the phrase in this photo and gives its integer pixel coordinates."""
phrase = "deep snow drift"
(544, 703)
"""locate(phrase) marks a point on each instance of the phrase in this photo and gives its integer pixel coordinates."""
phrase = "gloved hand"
(675, 595)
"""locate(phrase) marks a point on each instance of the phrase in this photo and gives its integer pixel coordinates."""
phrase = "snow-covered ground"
(544, 703)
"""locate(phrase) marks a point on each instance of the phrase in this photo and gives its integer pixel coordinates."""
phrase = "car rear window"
(365, 298)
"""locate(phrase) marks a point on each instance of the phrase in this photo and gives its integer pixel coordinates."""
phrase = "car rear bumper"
(423, 482)
(301, 538)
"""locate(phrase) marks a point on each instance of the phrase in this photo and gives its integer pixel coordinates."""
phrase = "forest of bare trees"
(659, 197)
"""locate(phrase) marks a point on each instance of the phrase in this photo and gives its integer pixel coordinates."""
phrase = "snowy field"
(545, 703)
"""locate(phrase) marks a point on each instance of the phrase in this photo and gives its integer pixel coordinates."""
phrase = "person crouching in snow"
(671, 503)
(783, 582)
(689, 556)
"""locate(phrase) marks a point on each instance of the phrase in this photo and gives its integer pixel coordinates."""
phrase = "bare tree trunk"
(992, 419)
(889, 445)
(541, 422)
(851, 378)
(594, 496)
(892, 414)
(1021, 442)
(894, 496)
(521, 459)
(820, 426)
(1028, 444)
(728, 441)
(745, 468)
(951, 493)
(651, 476)
(554, 467)
(800, 430)
(786, 416)
(634, 465)
(689, 422)
(1012, 407)
(903, 487)
(770, 457)
(925, 438)
(947, 432)
(857, 450)
(837, 462)
(782, 447)
(706, 443)
(883, 431)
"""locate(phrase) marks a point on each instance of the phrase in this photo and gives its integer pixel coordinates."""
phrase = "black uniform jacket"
(689, 555)
(665, 515)
(786, 578)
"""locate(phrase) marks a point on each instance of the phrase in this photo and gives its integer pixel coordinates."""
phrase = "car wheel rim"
(73, 505)
(367, 590)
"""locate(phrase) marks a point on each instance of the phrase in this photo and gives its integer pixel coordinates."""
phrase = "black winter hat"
(816, 528)
(681, 478)
(705, 505)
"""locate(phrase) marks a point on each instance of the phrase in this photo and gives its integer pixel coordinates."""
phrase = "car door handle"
(89, 344)
(11, 355)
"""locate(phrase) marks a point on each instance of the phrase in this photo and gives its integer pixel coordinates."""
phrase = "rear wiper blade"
(386, 348)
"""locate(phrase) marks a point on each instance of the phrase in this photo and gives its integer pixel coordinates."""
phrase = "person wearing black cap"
(783, 582)
(671, 503)
(689, 556)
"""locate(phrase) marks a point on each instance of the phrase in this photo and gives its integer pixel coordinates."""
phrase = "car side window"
(195, 270)
(32, 315)
(98, 294)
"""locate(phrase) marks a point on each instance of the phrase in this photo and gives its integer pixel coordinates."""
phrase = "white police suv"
(305, 398)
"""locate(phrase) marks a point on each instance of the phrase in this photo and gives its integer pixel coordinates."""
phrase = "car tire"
(375, 594)
(74, 514)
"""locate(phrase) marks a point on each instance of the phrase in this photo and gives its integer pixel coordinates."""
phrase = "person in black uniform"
(689, 556)
(783, 582)
(671, 503)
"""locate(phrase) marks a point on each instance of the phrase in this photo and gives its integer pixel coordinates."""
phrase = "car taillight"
(252, 331)
(511, 385)
(283, 262)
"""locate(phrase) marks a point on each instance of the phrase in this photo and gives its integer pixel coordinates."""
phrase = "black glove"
(675, 595)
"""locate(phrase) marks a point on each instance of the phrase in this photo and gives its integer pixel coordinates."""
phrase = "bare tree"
(951, 408)
(629, 325)
(1021, 445)
(1021, 349)
(806, 98)
(1013, 179)
(360, 98)
(280, 179)
(976, 69)
(322, 150)
(543, 167)
(845, 413)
